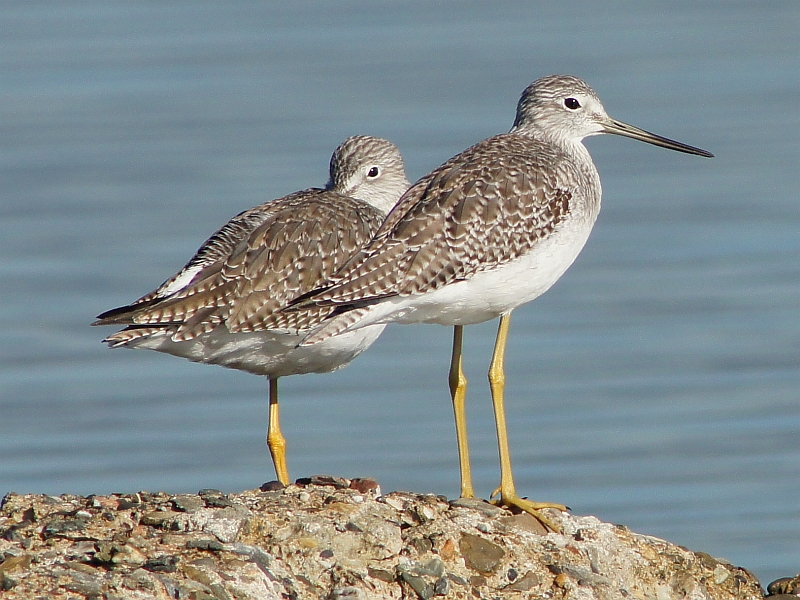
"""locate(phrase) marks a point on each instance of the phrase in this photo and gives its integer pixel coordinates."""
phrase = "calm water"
(655, 385)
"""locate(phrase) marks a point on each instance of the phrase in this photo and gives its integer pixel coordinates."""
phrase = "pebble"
(423, 589)
(524, 522)
(490, 510)
(127, 555)
(272, 486)
(395, 503)
(525, 583)
(366, 486)
(187, 503)
(785, 585)
(480, 554)
(721, 574)
(215, 498)
(162, 564)
(205, 544)
(441, 587)
(325, 480)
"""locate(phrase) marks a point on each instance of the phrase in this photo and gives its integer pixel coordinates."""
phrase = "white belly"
(266, 353)
(489, 294)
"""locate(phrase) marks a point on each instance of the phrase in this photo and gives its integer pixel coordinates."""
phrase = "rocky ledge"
(326, 537)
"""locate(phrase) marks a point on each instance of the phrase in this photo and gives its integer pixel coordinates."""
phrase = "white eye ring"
(373, 172)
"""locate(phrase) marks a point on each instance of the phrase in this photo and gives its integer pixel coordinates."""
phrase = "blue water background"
(656, 385)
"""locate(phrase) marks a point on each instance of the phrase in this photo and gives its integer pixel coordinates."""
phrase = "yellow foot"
(532, 508)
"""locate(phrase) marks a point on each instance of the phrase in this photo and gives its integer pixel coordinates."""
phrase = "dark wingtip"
(113, 316)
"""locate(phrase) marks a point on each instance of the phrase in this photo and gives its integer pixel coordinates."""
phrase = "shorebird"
(214, 310)
(492, 228)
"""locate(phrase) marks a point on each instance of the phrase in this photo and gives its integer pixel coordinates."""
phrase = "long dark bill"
(623, 129)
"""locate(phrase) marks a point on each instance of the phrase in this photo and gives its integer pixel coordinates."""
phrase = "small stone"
(7, 582)
(207, 544)
(162, 564)
(524, 583)
(423, 589)
(721, 574)
(381, 574)
(480, 554)
(188, 503)
(106, 502)
(105, 550)
(524, 522)
(583, 535)
(225, 523)
(214, 498)
(784, 585)
(365, 485)
(490, 510)
(160, 518)
(424, 513)
(512, 574)
(448, 551)
(394, 502)
(441, 587)
(271, 486)
(478, 581)
(433, 568)
(60, 527)
(142, 580)
(708, 561)
(15, 563)
(128, 502)
(340, 483)
(128, 555)
(421, 544)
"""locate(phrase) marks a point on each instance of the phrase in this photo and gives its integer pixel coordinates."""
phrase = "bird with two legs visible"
(492, 228)
(214, 310)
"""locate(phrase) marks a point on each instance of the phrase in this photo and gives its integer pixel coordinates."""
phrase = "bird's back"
(259, 261)
(484, 208)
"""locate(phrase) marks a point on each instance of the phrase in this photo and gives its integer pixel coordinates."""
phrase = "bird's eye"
(572, 103)
(373, 172)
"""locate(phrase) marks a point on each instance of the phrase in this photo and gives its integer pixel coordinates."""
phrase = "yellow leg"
(275, 440)
(497, 379)
(458, 391)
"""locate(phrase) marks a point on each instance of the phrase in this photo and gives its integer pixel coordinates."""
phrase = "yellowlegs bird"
(214, 309)
(492, 228)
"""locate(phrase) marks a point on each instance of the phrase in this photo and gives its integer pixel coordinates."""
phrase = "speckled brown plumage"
(269, 255)
(481, 209)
